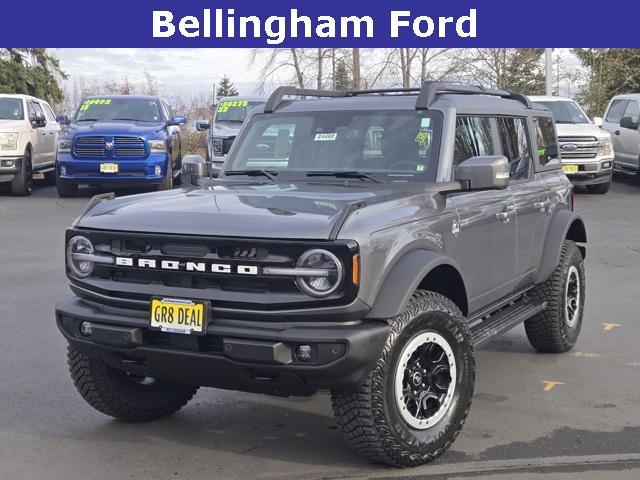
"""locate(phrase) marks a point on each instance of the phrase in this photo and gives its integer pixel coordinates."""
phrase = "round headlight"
(329, 267)
(77, 249)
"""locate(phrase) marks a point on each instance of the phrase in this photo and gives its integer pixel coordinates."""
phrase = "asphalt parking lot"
(521, 425)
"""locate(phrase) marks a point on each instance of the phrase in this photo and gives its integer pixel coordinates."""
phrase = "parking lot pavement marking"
(550, 385)
(587, 355)
(610, 326)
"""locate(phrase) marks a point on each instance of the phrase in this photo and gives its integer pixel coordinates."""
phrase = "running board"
(504, 320)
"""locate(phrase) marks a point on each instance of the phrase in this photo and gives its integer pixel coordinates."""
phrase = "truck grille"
(578, 148)
(120, 146)
(135, 285)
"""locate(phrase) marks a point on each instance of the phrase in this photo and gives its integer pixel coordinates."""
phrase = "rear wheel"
(556, 329)
(22, 183)
(600, 188)
(413, 404)
(123, 396)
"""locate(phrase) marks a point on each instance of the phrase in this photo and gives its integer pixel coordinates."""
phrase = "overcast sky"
(178, 71)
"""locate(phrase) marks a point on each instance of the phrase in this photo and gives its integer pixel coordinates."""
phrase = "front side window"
(632, 111)
(614, 115)
(235, 111)
(515, 145)
(11, 109)
(392, 146)
(546, 139)
(107, 109)
(565, 111)
(472, 139)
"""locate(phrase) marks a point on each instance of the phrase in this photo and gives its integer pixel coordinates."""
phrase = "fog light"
(158, 170)
(63, 171)
(606, 164)
(303, 353)
(86, 329)
(8, 163)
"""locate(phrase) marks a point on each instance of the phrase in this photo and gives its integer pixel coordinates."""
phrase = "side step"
(504, 320)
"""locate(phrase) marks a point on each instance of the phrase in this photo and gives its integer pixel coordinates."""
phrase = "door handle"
(505, 216)
(617, 132)
(542, 206)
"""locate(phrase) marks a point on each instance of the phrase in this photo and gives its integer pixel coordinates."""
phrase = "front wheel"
(123, 396)
(22, 183)
(167, 181)
(413, 404)
(66, 189)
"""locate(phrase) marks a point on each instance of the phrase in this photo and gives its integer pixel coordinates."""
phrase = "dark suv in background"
(363, 242)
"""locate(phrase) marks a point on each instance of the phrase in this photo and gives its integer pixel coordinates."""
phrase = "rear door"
(611, 123)
(487, 224)
(629, 138)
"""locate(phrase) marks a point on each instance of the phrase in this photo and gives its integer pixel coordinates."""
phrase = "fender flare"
(402, 280)
(564, 224)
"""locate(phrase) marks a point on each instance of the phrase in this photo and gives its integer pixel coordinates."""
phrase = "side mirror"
(484, 173)
(202, 125)
(598, 122)
(627, 122)
(177, 120)
(63, 119)
(194, 167)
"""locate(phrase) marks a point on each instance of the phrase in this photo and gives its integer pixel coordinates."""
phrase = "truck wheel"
(22, 183)
(413, 404)
(122, 396)
(65, 189)
(600, 188)
(167, 181)
(556, 329)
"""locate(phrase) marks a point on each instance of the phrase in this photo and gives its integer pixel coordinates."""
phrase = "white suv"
(586, 150)
(28, 138)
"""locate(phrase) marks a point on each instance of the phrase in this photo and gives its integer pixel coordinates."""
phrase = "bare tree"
(277, 60)
(356, 68)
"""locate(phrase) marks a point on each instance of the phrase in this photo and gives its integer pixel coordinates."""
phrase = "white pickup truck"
(586, 150)
(28, 138)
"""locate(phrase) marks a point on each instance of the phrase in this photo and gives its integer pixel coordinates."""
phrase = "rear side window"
(546, 139)
(515, 145)
(473, 139)
(632, 111)
(616, 110)
(49, 113)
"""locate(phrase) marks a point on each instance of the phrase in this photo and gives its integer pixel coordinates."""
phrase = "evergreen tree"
(342, 80)
(226, 88)
(30, 71)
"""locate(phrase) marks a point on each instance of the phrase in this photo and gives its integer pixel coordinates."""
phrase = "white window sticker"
(425, 123)
(325, 137)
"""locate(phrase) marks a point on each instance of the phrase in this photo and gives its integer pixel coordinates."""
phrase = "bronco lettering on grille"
(186, 266)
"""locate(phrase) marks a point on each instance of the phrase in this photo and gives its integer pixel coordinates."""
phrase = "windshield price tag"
(325, 137)
(225, 106)
(94, 101)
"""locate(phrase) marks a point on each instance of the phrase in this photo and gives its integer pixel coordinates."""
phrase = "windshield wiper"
(270, 174)
(87, 120)
(342, 174)
(131, 120)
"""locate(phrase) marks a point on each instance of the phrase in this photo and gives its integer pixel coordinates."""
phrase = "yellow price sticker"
(423, 137)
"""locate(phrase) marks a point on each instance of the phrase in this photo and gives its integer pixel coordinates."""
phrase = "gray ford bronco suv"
(362, 242)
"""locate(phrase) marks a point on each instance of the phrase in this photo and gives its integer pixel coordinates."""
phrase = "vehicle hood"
(12, 126)
(287, 211)
(225, 129)
(114, 128)
(580, 130)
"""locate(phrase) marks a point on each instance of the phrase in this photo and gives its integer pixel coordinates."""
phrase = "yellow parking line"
(587, 355)
(550, 384)
(609, 326)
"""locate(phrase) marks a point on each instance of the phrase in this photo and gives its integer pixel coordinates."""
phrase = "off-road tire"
(110, 391)
(368, 417)
(22, 183)
(66, 189)
(600, 188)
(549, 330)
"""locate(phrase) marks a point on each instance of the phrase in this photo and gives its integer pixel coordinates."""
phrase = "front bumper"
(590, 172)
(87, 171)
(9, 166)
(240, 355)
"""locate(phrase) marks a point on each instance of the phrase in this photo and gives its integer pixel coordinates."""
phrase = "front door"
(630, 137)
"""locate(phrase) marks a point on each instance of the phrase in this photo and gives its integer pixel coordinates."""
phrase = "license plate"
(175, 315)
(108, 168)
(570, 168)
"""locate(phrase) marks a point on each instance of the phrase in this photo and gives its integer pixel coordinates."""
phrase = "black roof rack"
(426, 94)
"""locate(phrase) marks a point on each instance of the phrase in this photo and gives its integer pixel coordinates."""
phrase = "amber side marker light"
(355, 269)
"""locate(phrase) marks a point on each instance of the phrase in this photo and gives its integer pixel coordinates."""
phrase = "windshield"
(11, 109)
(235, 111)
(566, 112)
(113, 109)
(389, 145)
